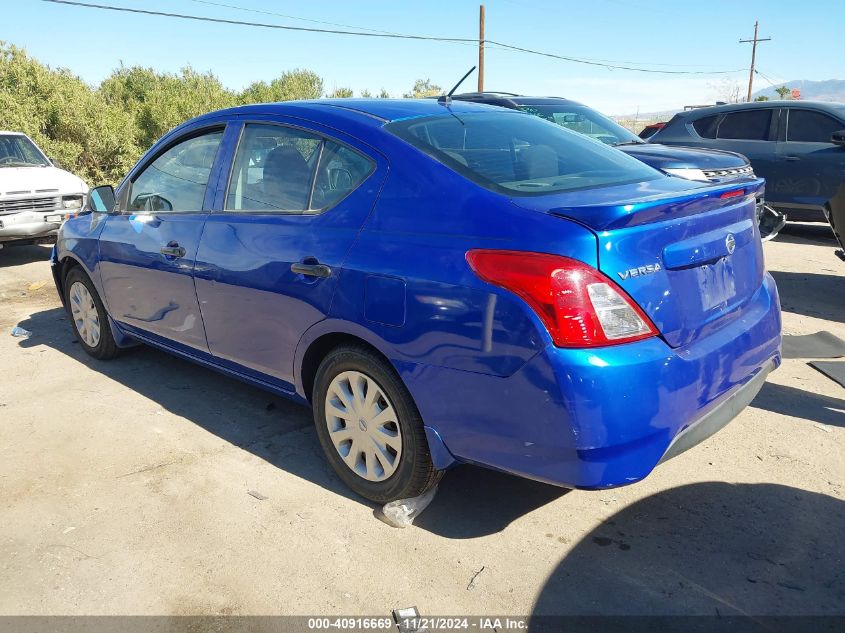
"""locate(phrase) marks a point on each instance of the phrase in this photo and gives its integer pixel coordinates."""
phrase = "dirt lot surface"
(124, 489)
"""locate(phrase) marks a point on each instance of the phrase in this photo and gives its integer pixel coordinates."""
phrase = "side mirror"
(838, 138)
(101, 199)
(55, 163)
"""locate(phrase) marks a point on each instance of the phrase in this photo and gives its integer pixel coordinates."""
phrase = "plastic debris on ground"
(408, 620)
(20, 332)
(818, 345)
(832, 369)
(402, 512)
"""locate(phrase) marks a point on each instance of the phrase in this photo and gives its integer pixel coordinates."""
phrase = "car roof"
(378, 111)
(827, 106)
(9, 132)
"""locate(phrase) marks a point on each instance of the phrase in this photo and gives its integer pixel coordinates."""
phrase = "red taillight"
(736, 193)
(579, 306)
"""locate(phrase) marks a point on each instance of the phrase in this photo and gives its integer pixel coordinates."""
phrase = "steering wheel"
(8, 159)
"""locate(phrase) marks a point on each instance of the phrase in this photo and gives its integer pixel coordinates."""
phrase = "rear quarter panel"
(412, 251)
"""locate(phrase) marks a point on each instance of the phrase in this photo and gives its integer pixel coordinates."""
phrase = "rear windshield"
(519, 154)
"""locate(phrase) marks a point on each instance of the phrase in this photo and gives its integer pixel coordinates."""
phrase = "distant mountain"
(829, 90)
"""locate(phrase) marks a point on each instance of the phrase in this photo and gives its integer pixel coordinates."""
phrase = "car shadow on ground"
(19, 255)
(807, 233)
(800, 404)
(709, 548)
(816, 295)
(471, 501)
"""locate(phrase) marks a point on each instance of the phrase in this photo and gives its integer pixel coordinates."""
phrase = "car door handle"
(172, 250)
(792, 158)
(312, 270)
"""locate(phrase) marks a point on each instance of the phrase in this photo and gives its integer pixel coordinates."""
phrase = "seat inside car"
(539, 161)
(286, 179)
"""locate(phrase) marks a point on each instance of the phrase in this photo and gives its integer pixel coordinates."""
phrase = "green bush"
(99, 132)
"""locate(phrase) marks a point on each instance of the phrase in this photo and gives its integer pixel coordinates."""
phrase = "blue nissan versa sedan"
(442, 282)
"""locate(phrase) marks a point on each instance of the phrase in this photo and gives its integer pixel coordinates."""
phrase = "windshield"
(515, 154)
(584, 121)
(19, 151)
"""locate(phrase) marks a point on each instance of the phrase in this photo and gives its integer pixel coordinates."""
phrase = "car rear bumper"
(29, 225)
(604, 417)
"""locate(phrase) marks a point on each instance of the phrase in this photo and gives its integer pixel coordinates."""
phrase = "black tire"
(106, 348)
(415, 472)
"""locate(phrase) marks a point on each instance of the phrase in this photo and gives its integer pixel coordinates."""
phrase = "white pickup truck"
(35, 195)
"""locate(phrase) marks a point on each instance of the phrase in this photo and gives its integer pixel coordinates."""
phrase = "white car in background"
(35, 195)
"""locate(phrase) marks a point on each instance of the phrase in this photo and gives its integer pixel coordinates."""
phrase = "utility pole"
(481, 49)
(753, 56)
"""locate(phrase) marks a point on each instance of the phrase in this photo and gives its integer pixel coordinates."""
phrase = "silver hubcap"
(84, 313)
(363, 426)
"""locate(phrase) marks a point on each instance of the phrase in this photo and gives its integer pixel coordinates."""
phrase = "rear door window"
(748, 125)
(808, 126)
(290, 170)
(341, 171)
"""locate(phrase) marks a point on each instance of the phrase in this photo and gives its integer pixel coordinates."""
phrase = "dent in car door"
(147, 250)
(270, 260)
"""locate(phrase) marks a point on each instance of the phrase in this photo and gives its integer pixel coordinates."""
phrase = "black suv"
(797, 146)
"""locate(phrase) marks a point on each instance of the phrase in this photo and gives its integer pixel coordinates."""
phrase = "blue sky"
(806, 44)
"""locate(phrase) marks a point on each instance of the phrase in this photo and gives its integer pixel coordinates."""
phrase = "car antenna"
(447, 98)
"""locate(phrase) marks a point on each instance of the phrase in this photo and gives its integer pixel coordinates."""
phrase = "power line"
(294, 17)
(363, 28)
(610, 66)
(601, 61)
(766, 77)
(183, 16)
(289, 17)
(461, 40)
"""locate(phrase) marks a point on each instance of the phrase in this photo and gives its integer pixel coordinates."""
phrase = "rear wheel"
(369, 427)
(88, 315)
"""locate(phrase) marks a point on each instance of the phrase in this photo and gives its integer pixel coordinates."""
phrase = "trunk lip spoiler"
(619, 214)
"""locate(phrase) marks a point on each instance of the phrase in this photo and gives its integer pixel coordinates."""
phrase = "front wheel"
(88, 315)
(369, 427)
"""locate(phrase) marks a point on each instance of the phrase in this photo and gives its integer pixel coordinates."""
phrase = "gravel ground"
(125, 489)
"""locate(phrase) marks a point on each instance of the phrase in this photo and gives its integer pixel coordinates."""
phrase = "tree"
(293, 84)
(384, 94)
(423, 88)
(784, 92)
(65, 117)
(99, 132)
(762, 98)
(728, 90)
(366, 94)
(340, 93)
(158, 102)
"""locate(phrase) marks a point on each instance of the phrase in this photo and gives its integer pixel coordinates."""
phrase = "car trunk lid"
(689, 255)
